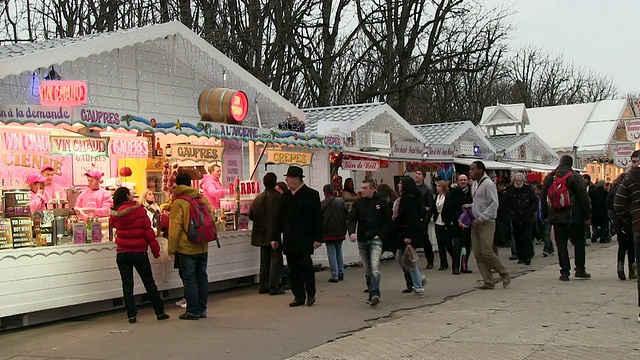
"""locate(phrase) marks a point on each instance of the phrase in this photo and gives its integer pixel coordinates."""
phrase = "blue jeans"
(416, 276)
(545, 230)
(370, 253)
(336, 262)
(196, 283)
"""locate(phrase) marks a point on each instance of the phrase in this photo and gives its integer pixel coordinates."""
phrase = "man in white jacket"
(485, 211)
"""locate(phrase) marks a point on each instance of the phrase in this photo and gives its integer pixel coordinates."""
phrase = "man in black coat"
(301, 234)
(568, 223)
(427, 199)
(521, 206)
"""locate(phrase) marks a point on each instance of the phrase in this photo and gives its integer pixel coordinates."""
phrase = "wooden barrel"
(223, 105)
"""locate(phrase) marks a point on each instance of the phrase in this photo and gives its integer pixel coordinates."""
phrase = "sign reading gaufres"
(632, 126)
(622, 153)
(196, 152)
(440, 152)
(361, 165)
(407, 149)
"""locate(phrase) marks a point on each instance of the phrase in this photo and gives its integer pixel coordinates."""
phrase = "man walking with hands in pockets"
(485, 211)
(371, 215)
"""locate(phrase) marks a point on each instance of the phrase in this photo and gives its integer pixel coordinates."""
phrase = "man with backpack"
(567, 210)
(190, 230)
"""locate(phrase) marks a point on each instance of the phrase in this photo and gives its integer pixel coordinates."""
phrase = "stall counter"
(45, 278)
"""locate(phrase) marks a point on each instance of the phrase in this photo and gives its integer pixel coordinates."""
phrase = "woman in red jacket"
(134, 235)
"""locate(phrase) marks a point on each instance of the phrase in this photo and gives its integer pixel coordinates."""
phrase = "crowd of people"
(476, 214)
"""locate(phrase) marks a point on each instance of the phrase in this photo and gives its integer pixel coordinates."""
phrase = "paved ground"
(537, 316)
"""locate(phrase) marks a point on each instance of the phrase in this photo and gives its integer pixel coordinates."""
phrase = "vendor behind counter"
(94, 201)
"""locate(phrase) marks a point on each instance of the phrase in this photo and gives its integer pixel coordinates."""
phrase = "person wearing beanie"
(265, 214)
(51, 189)
(36, 183)
(94, 200)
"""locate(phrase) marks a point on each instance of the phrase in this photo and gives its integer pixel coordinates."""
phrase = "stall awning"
(489, 164)
(535, 166)
(374, 154)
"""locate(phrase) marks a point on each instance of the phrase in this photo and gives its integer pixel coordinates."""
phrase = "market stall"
(139, 106)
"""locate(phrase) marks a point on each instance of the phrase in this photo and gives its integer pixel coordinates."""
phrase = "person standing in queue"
(212, 187)
(427, 213)
(521, 206)
(134, 236)
(265, 214)
(36, 183)
(51, 189)
(371, 216)
(485, 210)
(301, 221)
(94, 200)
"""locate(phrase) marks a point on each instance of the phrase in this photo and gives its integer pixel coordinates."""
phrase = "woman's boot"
(621, 271)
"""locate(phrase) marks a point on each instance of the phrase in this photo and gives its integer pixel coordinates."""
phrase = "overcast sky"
(601, 35)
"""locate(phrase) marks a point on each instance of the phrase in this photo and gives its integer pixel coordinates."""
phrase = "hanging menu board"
(21, 229)
(6, 241)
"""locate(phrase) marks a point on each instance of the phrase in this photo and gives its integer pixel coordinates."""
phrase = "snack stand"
(128, 119)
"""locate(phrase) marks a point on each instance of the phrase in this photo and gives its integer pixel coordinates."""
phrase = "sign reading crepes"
(69, 145)
(406, 149)
(300, 158)
(622, 153)
(439, 152)
(632, 126)
(361, 165)
(196, 152)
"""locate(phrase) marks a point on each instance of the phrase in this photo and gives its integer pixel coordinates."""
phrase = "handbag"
(410, 257)
(466, 218)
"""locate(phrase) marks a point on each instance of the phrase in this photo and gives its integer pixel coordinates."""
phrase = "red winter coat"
(134, 232)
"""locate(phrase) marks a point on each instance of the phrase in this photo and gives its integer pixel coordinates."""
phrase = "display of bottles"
(158, 149)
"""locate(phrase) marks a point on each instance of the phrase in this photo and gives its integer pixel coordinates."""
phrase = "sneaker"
(375, 300)
(415, 293)
(181, 302)
(332, 280)
(340, 277)
(163, 316)
(407, 290)
(506, 280)
(203, 314)
(486, 286)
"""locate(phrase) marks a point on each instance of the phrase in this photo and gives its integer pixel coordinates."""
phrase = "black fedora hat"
(295, 171)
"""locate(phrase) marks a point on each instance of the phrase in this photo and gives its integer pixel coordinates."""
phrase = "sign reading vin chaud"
(300, 158)
(196, 152)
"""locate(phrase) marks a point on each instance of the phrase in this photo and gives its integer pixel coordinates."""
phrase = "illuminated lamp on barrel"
(223, 105)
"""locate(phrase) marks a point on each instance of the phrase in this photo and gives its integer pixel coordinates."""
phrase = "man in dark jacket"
(301, 220)
(371, 215)
(265, 214)
(521, 206)
(568, 223)
(461, 237)
(627, 207)
(334, 226)
(426, 197)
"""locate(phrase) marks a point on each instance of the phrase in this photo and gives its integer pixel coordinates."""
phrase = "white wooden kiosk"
(140, 80)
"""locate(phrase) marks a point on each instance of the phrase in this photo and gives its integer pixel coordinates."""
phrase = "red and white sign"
(440, 152)
(246, 188)
(239, 106)
(63, 93)
(361, 165)
(622, 153)
(129, 148)
(407, 149)
(632, 126)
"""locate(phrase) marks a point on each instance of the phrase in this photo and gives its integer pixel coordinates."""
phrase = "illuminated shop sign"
(63, 93)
